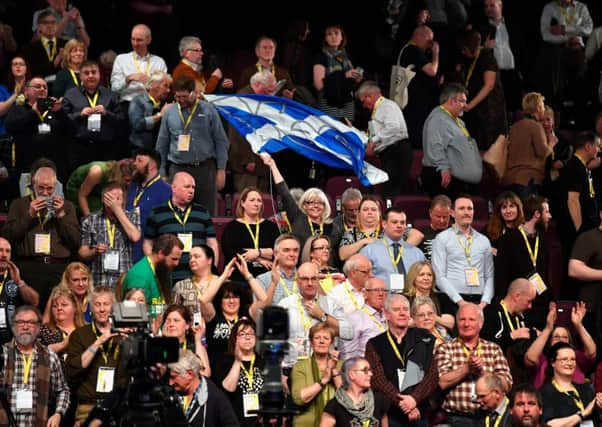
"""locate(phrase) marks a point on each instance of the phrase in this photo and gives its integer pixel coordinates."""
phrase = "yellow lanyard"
(351, 297)
(177, 217)
(27, 361)
(52, 52)
(471, 69)
(376, 104)
(260, 67)
(568, 19)
(394, 260)
(458, 122)
(367, 234)
(137, 64)
(42, 116)
(156, 104)
(516, 318)
(499, 417)
(187, 401)
(3, 281)
(254, 237)
(305, 322)
(286, 289)
(152, 267)
(93, 101)
(110, 232)
(466, 247)
(592, 191)
(40, 220)
(74, 78)
(374, 319)
(311, 228)
(186, 122)
(467, 350)
(576, 397)
(105, 354)
(532, 253)
(395, 349)
(437, 335)
(143, 189)
(232, 323)
(249, 373)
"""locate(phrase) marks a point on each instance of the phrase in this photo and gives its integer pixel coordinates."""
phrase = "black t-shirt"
(588, 249)
(344, 418)
(426, 246)
(575, 177)
(560, 405)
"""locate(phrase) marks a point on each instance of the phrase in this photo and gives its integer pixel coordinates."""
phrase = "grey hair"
(263, 77)
(187, 360)
(351, 194)
(101, 290)
(186, 42)
(43, 170)
(316, 192)
(367, 87)
(476, 307)
(351, 263)
(451, 90)
(156, 77)
(392, 298)
(286, 236)
(348, 366)
(493, 382)
(419, 301)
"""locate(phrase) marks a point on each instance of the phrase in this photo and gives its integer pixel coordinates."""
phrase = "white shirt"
(345, 295)
(130, 63)
(502, 52)
(575, 18)
(387, 125)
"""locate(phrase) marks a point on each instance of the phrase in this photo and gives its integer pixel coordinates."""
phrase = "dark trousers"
(396, 160)
(431, 182)
(205, 191)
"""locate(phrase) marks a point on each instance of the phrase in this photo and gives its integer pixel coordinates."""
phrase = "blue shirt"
(450, 263)
(158, 193)
(382, 265)
(4, 95)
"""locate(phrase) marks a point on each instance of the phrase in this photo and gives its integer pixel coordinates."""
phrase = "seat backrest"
(414, 205)
(219, 223)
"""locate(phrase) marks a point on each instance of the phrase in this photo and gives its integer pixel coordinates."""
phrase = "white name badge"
(250, 402)
(473, 391)
(94, 122)
(42, 243)
(110, 260)
(586, 423)
(401, 374)
(43, 128)
(538, 282)
(396, 282)
(472, 276)
(24, 401)
(183, 142)
(105, 379)
(3, 323)
(186, 239)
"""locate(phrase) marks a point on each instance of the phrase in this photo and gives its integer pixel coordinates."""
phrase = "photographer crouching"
(39, 127)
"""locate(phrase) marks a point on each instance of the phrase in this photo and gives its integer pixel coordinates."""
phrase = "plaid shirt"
(58, 385)
(94, 231)
(451, 356)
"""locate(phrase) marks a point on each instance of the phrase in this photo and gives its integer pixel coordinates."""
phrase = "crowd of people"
(114, 170)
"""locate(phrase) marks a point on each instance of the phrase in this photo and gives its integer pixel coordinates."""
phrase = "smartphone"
(279, 87)
(197, 318)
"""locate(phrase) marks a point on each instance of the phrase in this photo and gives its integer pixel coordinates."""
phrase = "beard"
(541, 226)
(139, 177)
(25, 338)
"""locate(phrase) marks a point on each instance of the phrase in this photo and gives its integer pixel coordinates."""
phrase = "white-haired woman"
(311, 215)
(355, 403)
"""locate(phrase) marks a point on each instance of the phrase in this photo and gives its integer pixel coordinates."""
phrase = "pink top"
(583, 364)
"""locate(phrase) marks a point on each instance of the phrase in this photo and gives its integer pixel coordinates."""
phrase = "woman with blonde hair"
(76, 278)
(317, 249)
(65, 316)
(74, 54)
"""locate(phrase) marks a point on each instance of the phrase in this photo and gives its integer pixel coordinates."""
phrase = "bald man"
(131, 70)
(182, 217)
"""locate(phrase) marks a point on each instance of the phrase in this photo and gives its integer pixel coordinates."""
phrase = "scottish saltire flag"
(272, 123)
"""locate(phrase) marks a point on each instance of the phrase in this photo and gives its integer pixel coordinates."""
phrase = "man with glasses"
(491, 395)
(44, 231)
(32, 375)
(402, 361)
(349, 294)
(452, 162)
(192, 139)
(368, 321)
(191, 65)
(43, 54)
(39, 128)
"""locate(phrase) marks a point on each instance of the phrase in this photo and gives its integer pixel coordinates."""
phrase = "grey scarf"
(364, 410)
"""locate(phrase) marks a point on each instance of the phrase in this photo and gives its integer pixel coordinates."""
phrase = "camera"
(45, 104)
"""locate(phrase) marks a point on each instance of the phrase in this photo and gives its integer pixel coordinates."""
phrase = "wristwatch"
(324, 318)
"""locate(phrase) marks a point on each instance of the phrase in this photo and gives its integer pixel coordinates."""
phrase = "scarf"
(337, 60)
(42, 382)
(364, 411)
(324, 396)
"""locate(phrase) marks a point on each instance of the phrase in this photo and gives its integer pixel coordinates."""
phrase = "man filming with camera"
(39, 127)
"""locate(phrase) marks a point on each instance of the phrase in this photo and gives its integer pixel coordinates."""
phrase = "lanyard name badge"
(255, 239)
(110, 260)
(534, 278)
(43, 128)
(24, 403)
(185, 238)
(401, 372)
(250, 400)
(95, 118)
(105, 379)
(471, 273)
(184, 137)
(396, 280)
(3, 323)
(41, 241)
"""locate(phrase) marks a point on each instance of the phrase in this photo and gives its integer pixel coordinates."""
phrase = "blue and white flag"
(272, 123)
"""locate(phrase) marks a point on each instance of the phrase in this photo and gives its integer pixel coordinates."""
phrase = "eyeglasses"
(378, 290)
(26, 322)
(461, 100)
(365, 370)
(245, 335)
(566, 359)
(425, 315)
(308, 279)
(314, 202)
(195, 50)
(320, 248)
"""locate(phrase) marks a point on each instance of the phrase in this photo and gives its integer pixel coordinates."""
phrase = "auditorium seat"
(414, 185)
(221, 205)
(336, 185)
(219, 223)
(269, 205)
(481, 208)
(414, 205)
